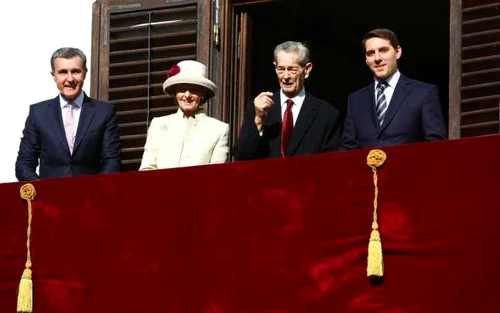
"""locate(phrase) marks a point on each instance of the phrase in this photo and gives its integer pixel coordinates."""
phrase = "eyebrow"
(73, 70)
(290, 68)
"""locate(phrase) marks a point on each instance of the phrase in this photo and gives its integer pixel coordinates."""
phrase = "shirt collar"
(391, 80)
(78, 101)
(299, 98)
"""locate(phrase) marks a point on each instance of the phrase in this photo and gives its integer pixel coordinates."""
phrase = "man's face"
(69, 76)
(291, 75)
(381, 57)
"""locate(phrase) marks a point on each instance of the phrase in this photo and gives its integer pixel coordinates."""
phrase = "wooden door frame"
(455, 76)
(226, 52)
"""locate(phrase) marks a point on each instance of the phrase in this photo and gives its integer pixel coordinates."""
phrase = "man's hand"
(262, 104)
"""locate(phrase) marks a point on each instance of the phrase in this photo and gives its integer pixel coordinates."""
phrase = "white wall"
(31, 31)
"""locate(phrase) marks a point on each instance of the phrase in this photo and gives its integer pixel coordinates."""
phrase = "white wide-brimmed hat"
(189, 72)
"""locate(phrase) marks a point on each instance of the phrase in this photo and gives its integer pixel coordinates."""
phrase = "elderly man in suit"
(188, 137)
(71, 134)
(290, 121)
(394, 109)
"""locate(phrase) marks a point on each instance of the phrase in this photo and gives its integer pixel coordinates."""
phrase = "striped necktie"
(381, 102)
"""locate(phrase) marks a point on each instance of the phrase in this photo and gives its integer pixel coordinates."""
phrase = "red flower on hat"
(174, 70)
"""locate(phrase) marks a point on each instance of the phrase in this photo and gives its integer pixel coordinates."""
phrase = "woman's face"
(189, 97)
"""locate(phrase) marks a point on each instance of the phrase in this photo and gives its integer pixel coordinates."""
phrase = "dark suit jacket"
(315, 131)
(414, 115)
(96, 149)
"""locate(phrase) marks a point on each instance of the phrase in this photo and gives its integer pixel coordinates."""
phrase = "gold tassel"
(375, 257)
(375, 267)
(25, 293)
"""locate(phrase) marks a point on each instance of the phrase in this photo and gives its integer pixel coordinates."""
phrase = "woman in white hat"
(188, 137)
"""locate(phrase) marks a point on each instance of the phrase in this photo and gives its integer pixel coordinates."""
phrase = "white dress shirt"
(298, 100)
(392, 81)
(78, 107)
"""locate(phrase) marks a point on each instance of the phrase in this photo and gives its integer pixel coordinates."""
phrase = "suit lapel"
(86, 116)
(306, 116)
(57, 125)
(401, 91)
(370, 99)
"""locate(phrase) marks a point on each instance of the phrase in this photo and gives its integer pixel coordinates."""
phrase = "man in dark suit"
(394, 109)
(290, 121)
(71, 134)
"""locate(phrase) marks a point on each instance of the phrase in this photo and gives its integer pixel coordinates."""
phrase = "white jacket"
(176, 141)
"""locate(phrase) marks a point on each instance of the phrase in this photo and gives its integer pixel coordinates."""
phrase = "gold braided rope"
(375, 267)
(25, 294)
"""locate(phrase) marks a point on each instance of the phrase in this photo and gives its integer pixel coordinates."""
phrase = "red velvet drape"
(267, 236)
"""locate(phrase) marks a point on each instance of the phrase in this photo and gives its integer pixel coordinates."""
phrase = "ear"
(308, 69)
(399, 51)
(53, 76)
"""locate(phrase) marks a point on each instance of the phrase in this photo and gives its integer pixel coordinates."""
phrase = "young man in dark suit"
(394, 109)
(71, 134)
(290, 121)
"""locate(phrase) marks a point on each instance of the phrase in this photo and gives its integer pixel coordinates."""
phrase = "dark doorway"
(334, 31)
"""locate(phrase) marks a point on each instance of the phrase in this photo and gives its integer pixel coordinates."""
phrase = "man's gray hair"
(68, 53)
(293, 47)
